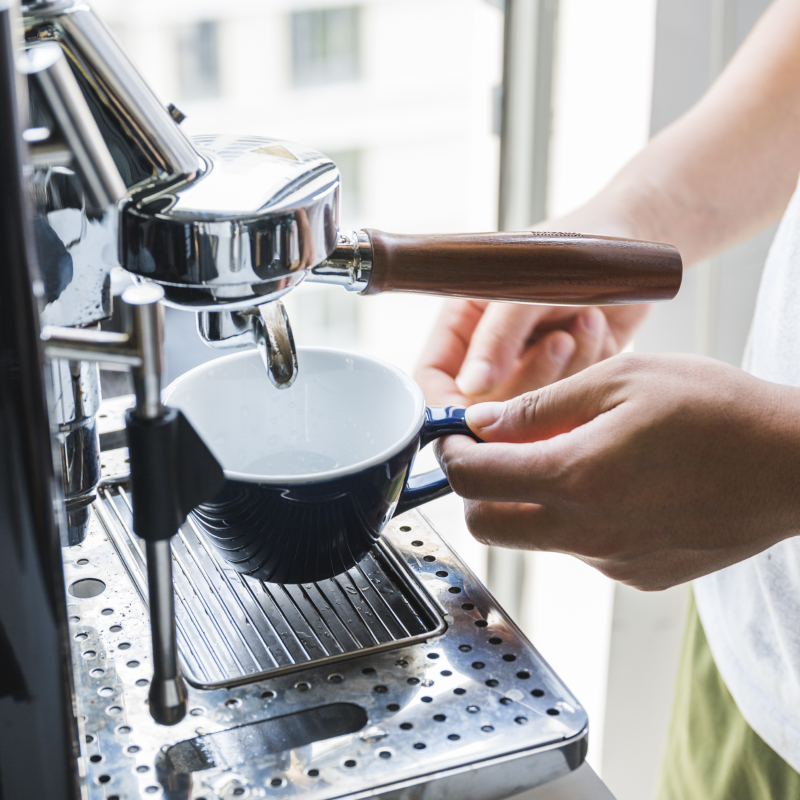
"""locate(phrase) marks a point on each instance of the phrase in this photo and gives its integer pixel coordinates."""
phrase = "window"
(325, 45)
(198, 61)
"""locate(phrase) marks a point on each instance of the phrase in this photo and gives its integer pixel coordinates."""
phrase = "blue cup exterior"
(299, 533)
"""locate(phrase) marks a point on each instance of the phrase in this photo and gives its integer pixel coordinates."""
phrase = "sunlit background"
(404, 95)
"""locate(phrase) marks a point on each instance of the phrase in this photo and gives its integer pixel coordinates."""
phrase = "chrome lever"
(93, 161)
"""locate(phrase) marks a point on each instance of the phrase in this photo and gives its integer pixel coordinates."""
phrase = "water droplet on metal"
(373, 735)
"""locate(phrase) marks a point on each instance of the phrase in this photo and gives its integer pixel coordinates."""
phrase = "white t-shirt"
(751, 611)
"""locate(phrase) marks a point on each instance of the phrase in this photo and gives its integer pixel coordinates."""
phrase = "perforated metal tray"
(463, 707)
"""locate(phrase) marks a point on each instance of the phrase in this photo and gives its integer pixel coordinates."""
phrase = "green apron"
(711, 752)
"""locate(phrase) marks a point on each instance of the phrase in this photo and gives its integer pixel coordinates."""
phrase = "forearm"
(727, 168)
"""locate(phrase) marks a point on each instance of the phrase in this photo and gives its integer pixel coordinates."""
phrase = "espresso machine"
(134, 663)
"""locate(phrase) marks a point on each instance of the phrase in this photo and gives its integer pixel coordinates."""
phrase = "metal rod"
(146, 322)
(167, 690)
(184, 603)
(84, 344)
(141, 300)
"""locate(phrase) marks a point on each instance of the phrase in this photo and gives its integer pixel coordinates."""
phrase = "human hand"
(482, 351)
(653, 469)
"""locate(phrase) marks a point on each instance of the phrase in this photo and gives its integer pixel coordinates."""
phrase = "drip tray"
(233, 629)
(400, 679)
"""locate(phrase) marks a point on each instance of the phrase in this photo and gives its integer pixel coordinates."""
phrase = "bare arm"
(653, 468)
(728, 167)
(722, 172)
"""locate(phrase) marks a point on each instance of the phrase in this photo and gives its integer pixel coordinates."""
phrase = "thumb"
(547, 412)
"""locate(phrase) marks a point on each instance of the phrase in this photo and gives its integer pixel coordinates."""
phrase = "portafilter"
(264, 215)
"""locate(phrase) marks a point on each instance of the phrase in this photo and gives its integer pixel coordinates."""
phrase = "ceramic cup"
(315, 471)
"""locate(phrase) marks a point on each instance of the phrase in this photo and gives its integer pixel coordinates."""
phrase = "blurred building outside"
(403, 96)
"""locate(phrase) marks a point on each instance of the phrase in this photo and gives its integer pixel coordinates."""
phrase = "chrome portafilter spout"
(172, 470)
(275, 342)
(267, 326)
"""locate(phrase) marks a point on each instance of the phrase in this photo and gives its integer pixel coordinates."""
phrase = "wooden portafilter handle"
(527, 267)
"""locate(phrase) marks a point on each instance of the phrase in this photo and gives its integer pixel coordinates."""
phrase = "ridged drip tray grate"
(233, 629)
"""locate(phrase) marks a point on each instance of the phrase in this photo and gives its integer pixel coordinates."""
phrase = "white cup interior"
(343, 413)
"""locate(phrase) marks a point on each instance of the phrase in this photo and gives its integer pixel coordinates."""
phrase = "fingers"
(485, 351)
(535, 447)
(591, 333)
(547, 412)
(499, 339)
(624, 320)
(501, 472)
(445, 351)
(519, 526)
(524, 526)
(542, 363)
(517, 349)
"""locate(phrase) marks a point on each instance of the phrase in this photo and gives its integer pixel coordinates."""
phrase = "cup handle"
(419, 489)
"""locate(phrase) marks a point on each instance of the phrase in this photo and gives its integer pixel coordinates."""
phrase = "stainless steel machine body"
(401, 678)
